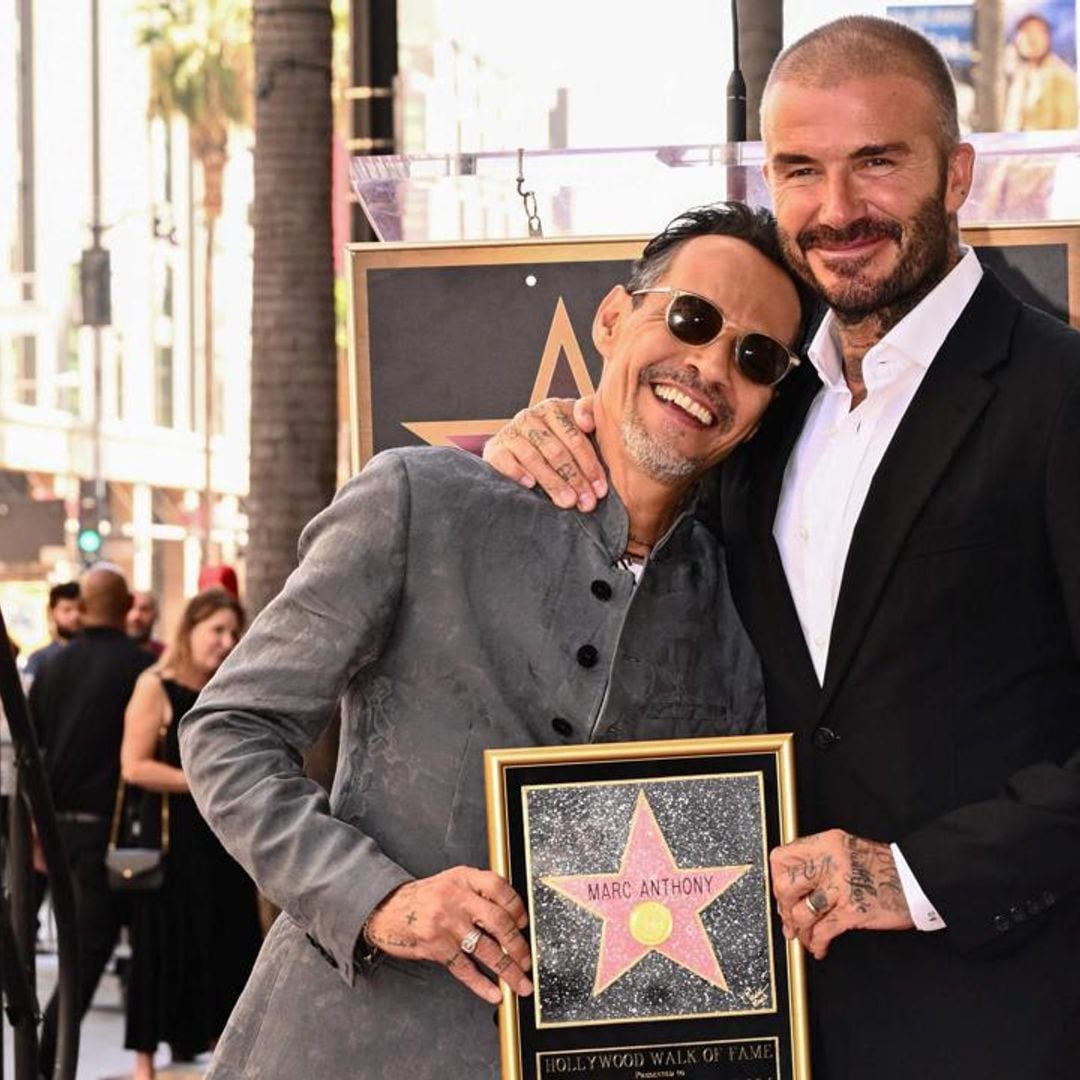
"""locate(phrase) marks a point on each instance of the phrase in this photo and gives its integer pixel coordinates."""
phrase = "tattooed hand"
(833, 882)
(429, 918)
(547, 444)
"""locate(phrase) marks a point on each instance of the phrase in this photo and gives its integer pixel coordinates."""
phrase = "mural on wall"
(1035, 65)
(952, 28)
(1039, 65)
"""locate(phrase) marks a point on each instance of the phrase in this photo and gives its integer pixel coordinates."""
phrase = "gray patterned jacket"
(448, 610)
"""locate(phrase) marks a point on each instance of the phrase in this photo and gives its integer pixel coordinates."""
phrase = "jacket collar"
(948, 403)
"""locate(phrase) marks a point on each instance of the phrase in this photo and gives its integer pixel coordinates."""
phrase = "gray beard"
(652, 457)
(655, 458)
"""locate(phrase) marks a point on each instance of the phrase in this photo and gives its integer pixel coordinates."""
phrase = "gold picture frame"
(655, 942)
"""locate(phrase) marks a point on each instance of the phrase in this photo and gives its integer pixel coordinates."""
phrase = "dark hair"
(859, 45)
(69, 590)
(1034, 16)
(753, 225)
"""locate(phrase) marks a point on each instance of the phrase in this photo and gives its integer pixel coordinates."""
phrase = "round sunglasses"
(696, 321)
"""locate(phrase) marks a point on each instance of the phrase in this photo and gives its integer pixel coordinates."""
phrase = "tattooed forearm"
(873, 877)
(860, 880)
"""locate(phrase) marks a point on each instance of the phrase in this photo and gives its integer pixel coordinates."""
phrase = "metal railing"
(30, 801)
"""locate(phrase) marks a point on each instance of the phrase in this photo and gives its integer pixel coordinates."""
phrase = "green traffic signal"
(89, 540)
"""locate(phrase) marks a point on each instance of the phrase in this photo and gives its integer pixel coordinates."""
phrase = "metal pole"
(18, 989)
(96, 229)
(22, 911)
(208, 390)
(27, 245)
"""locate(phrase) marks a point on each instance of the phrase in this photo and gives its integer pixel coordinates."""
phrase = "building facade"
(139, 443)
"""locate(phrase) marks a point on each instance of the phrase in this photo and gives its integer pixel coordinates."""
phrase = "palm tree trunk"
(293, 361)
(208, 388)
(293, 364)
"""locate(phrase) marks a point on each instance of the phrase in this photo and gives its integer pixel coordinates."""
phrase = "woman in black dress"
(193, 942)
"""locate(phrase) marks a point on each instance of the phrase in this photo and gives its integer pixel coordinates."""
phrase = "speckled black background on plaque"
(582, 829)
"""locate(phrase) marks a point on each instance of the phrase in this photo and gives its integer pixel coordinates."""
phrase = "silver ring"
(470, 941)
(816, 901)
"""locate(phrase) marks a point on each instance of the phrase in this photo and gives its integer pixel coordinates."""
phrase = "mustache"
(714, 395)
(864, 228)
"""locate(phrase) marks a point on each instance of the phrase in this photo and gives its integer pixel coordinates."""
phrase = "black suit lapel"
(952, 396)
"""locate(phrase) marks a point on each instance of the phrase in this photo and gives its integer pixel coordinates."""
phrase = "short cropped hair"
(862, 45)
(69, 590)
(755, 226)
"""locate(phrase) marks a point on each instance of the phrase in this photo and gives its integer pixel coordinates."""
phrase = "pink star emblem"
(650, 904)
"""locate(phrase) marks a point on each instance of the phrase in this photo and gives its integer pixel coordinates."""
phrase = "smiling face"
(864, 192)
(670, 410)
(213, 639)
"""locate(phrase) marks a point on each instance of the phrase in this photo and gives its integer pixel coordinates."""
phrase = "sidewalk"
(101, 1044)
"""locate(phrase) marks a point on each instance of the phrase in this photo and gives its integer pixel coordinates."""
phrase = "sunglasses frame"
(793, 359)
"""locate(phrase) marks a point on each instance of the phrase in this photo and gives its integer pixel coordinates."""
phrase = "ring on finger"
(816, 901)
(470, 941)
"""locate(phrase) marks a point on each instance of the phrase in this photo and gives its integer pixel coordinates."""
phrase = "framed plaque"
(448, 341)
(656, 947)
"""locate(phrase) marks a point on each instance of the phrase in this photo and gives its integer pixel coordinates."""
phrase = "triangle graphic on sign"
(562, 373)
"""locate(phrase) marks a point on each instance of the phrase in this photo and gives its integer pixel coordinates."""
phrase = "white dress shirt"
(834, 461)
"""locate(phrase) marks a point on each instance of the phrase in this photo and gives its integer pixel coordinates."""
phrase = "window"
(164, 413)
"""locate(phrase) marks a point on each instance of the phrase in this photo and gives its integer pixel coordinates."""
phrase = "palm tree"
(294, 360)
(200, 69)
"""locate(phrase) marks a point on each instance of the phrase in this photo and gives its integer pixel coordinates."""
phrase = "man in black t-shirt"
(77, 704)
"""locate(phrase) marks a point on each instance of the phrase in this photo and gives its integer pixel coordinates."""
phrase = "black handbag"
(139, 836)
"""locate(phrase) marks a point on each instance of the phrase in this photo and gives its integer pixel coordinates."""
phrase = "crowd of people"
(106, 698)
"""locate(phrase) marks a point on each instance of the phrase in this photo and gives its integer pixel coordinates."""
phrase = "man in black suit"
(904, 542)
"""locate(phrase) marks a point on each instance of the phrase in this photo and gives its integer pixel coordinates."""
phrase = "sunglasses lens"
(693, 320)
(762, 359)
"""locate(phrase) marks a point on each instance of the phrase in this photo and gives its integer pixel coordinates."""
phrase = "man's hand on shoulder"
(833, 882)
(440, 917)
(548, 444)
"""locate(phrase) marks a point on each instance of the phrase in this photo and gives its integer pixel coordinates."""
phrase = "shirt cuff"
(923, 913)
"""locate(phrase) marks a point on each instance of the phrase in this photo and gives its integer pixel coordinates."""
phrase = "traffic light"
(93, 521)
(89, 540)
(95, 287)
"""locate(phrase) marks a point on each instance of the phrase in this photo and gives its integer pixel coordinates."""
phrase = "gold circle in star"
(650, 922)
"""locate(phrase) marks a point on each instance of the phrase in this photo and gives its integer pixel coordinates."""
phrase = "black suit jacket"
(949, 720)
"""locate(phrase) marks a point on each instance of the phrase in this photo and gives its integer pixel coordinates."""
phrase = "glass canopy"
(1020, 178)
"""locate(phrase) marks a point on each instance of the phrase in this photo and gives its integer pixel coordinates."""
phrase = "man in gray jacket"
(449, 610)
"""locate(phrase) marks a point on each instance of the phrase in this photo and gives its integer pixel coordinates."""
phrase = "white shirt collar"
(918, 336)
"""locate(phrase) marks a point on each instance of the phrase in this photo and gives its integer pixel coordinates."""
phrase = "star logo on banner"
(569, 379)
(650, 904)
